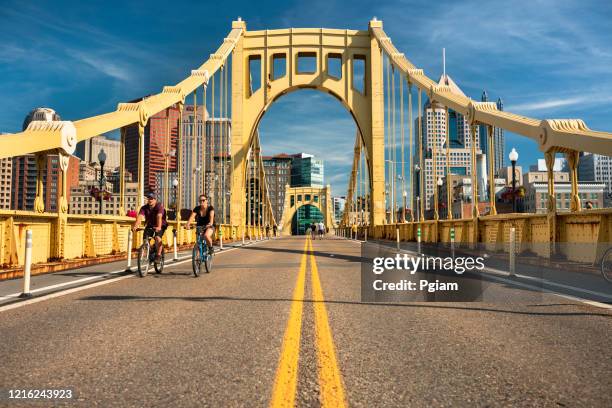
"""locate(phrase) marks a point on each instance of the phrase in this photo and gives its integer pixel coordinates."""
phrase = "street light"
(417, 169)
(439, 182)
(405, 194)
(101, 160)
(175, 183)
(513, 156)
(167, 155)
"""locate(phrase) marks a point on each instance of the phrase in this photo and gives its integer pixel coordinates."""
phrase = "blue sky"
(546, 59)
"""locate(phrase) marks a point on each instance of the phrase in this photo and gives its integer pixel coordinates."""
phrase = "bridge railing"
(86, 237)
(576, 237)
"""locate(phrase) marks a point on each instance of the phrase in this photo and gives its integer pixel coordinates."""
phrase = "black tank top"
(205, 220)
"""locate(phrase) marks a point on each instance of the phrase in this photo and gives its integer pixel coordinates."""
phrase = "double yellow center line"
(330, 379)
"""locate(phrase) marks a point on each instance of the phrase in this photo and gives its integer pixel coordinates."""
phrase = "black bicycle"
(147, 253)
(606, 265)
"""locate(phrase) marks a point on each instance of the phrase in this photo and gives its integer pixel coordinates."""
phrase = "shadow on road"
(343, 302)
(349, 258)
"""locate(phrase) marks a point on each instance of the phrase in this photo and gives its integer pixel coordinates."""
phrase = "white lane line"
(490, 272)
(104, 282)
(537, 288)
(59, 285)
(548, 282)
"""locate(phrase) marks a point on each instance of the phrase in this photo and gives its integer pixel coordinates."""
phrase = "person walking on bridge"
(321, 228)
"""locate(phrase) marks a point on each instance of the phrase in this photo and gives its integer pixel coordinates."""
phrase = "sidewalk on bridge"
(57, 266)
(575, 279)
(46, 283)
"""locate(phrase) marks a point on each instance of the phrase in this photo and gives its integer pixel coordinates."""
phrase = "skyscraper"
(498, 138)
(595, 167)
(460, 140)
(306, 171)
(278, 176)
(160, 137)
(23, 174)
(87, 150)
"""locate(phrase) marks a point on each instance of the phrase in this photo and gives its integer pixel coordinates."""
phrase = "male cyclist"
(154, 214)
(204, 216)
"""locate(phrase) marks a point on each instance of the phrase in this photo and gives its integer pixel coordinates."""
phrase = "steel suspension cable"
(221, 144)
(421, 164)
(227, 142)
(387, 142)
(194, 143)
(166, 190)
(402, 137)
(449, 213)
(393, 148)
(410, 152)
(204, 139)
(213, 132)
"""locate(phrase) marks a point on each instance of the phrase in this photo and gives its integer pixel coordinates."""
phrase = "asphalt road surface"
(281, 323)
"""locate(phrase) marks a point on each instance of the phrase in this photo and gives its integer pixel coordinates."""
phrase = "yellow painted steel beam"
(550, 134)
(37, 140)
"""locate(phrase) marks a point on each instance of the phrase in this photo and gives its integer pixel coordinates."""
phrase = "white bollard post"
(397, 239)
(452, 238)
(243, 237)
(130, 239)
(174, 244)
(27, 265)
(221, 242)
(512, 250)
(419, 240)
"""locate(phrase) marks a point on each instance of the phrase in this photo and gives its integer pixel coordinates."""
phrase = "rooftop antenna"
(444, 63)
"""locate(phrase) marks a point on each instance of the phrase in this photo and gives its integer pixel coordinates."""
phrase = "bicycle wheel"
(159, 266)
(606, 265)
(143, 259)
(196, 260)
(208, 261)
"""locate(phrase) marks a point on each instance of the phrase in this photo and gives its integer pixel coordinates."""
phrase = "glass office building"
(306, 171)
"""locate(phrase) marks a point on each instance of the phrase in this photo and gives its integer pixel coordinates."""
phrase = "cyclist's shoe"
(211, 250)
(158, 258)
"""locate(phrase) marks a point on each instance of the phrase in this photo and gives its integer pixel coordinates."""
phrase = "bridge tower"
(258, 81)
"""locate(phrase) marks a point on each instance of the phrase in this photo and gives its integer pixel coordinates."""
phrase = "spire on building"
(484, 97)
(500, 104)
(444, 62)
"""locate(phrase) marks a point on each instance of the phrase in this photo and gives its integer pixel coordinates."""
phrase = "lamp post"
(400, 181)
(405, 194)
(101, 160)
(175, 183)
(439, 182)
(167, 155)
(417, 169)
(513, 156)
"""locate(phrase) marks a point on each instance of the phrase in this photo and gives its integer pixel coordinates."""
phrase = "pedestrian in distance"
(321, 228)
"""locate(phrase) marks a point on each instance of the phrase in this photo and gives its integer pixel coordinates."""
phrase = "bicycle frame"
(202, 243)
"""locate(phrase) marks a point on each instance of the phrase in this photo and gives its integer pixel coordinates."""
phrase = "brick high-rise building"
(6, 175)
(156, 145)
(24, 181)
(278, 176)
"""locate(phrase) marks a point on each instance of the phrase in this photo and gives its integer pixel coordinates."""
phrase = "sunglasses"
(203, 200)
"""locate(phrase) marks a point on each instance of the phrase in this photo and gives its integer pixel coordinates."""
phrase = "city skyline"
(534, 84)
